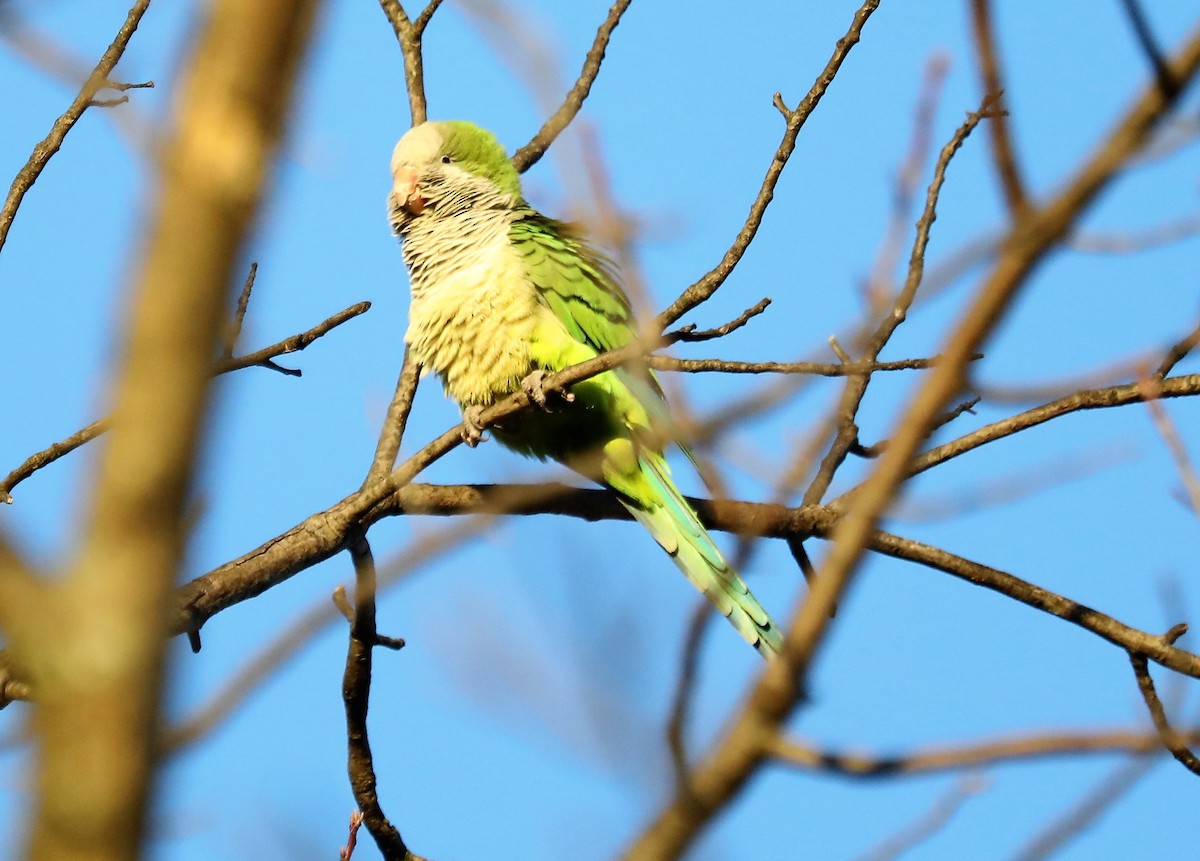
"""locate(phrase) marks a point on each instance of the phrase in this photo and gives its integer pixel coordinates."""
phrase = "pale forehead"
(418, 146)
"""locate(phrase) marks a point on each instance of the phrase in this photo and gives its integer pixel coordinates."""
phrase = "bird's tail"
(677, 529)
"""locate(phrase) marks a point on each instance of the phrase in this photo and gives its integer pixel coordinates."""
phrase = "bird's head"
(448, 167)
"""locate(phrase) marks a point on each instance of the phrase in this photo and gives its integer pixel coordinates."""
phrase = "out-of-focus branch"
(929, 823)
(356, 694)
(45, 150)
(99, 659)
(528, 155)
(794, 120)
(1018, 748)
(1084, 813)
(1141, 28)
(1173, 441)
(988, 55)
(259, 358)
(409, 34)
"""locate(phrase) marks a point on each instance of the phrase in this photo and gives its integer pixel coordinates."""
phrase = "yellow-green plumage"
(499, 291)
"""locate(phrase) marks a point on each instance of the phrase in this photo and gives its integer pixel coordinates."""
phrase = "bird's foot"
(472, 431)
(535, 386)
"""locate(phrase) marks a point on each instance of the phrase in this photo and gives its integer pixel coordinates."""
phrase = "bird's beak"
(404, 190)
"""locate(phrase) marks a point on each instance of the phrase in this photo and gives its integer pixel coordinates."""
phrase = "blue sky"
(525, 718)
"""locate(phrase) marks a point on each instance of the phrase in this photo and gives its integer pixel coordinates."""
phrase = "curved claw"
(472, 431)
(534, 386)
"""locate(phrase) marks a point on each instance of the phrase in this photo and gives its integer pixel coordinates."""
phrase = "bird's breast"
(472, 317)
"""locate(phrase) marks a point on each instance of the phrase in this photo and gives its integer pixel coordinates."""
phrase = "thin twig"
(259, 358)
(409, 35)
(689, 334)
(856, 386)
(1173, 441)
(929, 823)
(820, 369)
(1171, 740)
(239, 315)
(1076, 819)
(45, 150)
(684, 692)
(528, 155)
(1141, 28)
(1178, 352)
(396, 420)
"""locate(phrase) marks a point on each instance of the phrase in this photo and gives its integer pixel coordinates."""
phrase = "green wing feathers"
(661, 508)
(575, 281)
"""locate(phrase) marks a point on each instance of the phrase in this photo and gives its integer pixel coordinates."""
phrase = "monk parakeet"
(502, 296)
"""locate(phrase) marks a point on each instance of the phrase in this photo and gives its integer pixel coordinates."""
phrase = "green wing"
(576, 282)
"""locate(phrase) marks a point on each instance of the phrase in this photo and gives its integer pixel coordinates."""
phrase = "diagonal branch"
(529, 155)
(988, 54)
(1171, 740)
(45, 150)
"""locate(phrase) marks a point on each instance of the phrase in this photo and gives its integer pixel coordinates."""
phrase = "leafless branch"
(1170, 436)
(822, 369)
(259, 358)
(528, 155)
(688, 334)
(846, 438)
(1076, 819)
(933, 760)
(409, 34)
(988, 54)
(101, 706)
(394, 423)
(932, 821)
(1141, 28)
(1171, 740)
(356, 694)
(239, 315)
(45, 150)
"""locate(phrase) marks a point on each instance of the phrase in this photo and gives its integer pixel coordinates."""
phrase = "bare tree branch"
(259, 358)
(988, 54)
(409, 34)
(1171, 740)
(929, 823)
(45, 150)
(528, 155)
(933, 760)
(356, 694)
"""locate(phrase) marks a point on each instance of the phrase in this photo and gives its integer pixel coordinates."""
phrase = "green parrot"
(503, 296)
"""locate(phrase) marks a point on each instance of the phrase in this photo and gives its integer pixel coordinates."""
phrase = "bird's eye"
(446, 159)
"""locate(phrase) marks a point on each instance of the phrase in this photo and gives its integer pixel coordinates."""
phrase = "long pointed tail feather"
(678, 530)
